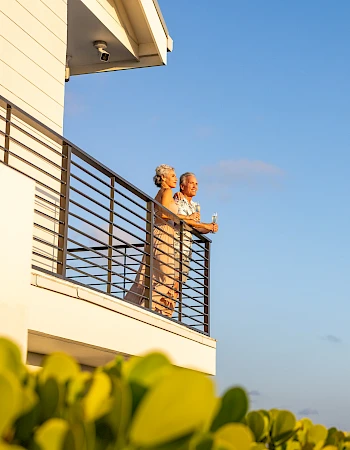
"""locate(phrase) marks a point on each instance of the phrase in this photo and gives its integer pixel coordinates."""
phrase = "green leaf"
(233, 435)
(202, 441)
(49, 395)
(179, 404)
(25, 424)
(138, 391)
(184, 443)
(28, 417)
(52, 435)
(97, 401)
(59, 366)
(10, 357)
(5, 446)
(120, 414)
(260, 446)
(257, 423)
(293, 445)
(317, 433)
(303, 427)
(29, 400)
(10, 395)
(148, 370)
(330, 447)
(79, 437)
(284, 422)
(233, 408)
(77, 387)
(284, 437)
(114, 367)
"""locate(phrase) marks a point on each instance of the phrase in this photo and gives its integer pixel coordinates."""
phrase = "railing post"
(124, 271)
(207, 288)
(64, 207)
(7, 131)
(181, 268)
(149, 254)
(110, 237)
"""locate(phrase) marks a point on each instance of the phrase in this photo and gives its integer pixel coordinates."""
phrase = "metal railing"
(94, 228)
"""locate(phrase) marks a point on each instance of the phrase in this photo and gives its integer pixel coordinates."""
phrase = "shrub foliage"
(143, 403)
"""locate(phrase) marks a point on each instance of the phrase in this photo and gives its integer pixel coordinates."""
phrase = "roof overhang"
(134, 30)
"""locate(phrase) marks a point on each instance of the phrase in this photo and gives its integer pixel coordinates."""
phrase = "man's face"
(190, 187)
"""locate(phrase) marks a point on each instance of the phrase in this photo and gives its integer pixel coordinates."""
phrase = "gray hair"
(161, 171)
(184, 177)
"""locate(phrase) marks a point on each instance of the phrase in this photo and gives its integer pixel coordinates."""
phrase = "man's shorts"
(186, 260)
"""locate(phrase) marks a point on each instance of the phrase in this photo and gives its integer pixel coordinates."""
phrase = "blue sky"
(255, 101)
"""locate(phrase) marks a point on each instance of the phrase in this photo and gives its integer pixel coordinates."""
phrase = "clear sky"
(254, 100)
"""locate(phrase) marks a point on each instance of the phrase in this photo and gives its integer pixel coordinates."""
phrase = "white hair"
(184, 177)
(161, 172)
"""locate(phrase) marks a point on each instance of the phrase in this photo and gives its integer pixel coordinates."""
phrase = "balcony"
(93, 231)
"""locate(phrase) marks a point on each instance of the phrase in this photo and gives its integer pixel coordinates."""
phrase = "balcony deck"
(92, 227)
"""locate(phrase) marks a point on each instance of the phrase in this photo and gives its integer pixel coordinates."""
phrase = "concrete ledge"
(96, 327)
(64, 287)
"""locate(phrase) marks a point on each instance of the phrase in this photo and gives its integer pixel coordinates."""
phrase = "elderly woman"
(164, 284)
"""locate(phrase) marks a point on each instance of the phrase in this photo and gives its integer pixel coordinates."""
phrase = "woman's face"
(170, 179)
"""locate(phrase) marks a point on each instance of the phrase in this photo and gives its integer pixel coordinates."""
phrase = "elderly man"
(188, 212)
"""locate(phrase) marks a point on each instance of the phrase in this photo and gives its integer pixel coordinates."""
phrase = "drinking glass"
(198, 209)
(214, 217)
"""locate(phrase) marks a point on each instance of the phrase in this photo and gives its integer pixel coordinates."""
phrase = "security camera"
(101, 47)
(67, 74)
(67, 69)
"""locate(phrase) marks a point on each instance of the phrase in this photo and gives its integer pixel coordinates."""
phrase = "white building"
(73, 231)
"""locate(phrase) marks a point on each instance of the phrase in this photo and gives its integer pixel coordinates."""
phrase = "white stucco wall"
(16, 225)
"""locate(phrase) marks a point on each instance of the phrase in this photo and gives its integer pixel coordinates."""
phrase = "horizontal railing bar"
(39, 141)
(48, 230)
(103, 169)
(44, 242)
(198, 235)
(94, 251)
(47, 257)
(105, 247)
(56, 206)
(32, 178)
(48, 174)
(124, 246)
(47, 216)
(30, 150)
(91, 276)
(102, 230)
(104, 206)
(128, 255)
(35, 123)
(175, 239)
(94, 276)
(108, 221)
(106, 184)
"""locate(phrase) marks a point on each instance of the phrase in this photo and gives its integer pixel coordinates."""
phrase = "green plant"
(144, 403)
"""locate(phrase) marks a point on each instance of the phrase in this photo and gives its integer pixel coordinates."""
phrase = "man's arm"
(190, 220)
(203, 228)
(206, 228)
(193, 221)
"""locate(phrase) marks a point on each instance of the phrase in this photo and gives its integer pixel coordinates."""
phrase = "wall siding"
(33, 42)
(33, 39)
